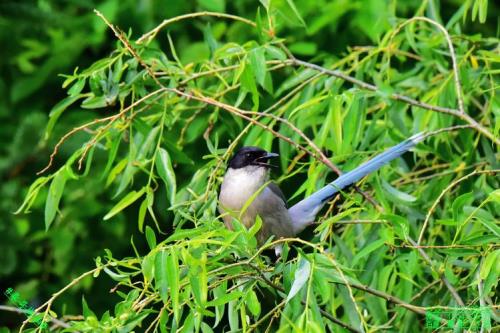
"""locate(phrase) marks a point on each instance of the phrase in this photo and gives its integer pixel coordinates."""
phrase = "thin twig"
(121, 36)
(56, 322)
(151, 34)
(55, 295)
(446, 129)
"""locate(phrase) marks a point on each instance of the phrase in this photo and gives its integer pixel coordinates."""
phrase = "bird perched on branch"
(247, 192)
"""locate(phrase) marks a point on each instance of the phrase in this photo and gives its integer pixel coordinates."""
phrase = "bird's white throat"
(240, 184)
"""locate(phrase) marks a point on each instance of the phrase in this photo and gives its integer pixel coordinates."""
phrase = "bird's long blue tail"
(304, 212)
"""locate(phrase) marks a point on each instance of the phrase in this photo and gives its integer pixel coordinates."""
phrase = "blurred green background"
(42, 39)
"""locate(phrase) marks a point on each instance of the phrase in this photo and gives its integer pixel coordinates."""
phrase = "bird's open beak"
(264, 160)
(271, 155)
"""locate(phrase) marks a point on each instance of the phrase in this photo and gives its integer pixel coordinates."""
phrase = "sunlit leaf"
(129, 199)
(54, 196)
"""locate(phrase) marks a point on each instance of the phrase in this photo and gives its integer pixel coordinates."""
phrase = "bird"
(247, 192)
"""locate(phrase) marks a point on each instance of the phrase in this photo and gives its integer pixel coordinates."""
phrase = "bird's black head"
(251, 156)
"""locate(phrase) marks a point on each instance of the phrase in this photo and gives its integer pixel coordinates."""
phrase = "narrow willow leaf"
(336, 109)
(205, 328)
(32, 194)
(98, 66)
(166, 173)
(86, 310)
(495, 196)
(173, 281)
(248, 84)
(115, 276)
(149, 142)
(232, 313)
(225, 298)
(210, 39)
(366, 251)
(296, 12)
(253, 303)
(95, 102)
(77, 87)
(265, 3)
(199, 280)
(150, 237)
(300, 278)
(459, 203)
(491, 226)
(304, 48)
(57, 110)
(258, 62)
(256, 226)
(54, 196)
(295, 80)
(352, 124)
(148, 266)
(397, 193)
(275, 53)
(160, 272)
(142, 214)
(115, 171)
(126, 176)
(129, 199)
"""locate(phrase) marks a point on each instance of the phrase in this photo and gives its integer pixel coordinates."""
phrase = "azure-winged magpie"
(247, 192)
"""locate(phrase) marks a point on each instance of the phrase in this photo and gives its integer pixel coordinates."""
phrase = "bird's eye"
(247, 155)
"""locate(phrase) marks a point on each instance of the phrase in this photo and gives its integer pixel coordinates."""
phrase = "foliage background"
(42, 39)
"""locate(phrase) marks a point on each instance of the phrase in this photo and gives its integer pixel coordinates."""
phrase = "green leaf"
(335, 108)
(86, 310)
(304, 48)
(142, 214)
(275, 53)
(296, 12)
(150, 237)
(225, 298)
(95, 102)
(300, 278)
(54, 196)
(397, 194)
(129, 199)
(232, 313)
(248, 83)
(366, 251)
(213, 5)
(258, 62)
(166, 173)
(32, 194)
(160, 272)
(265, 3)
(148, 266)
(495, 196)
(173, 281)
(77, 87)
(56, 112)
(459, 203)
(253, 303)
